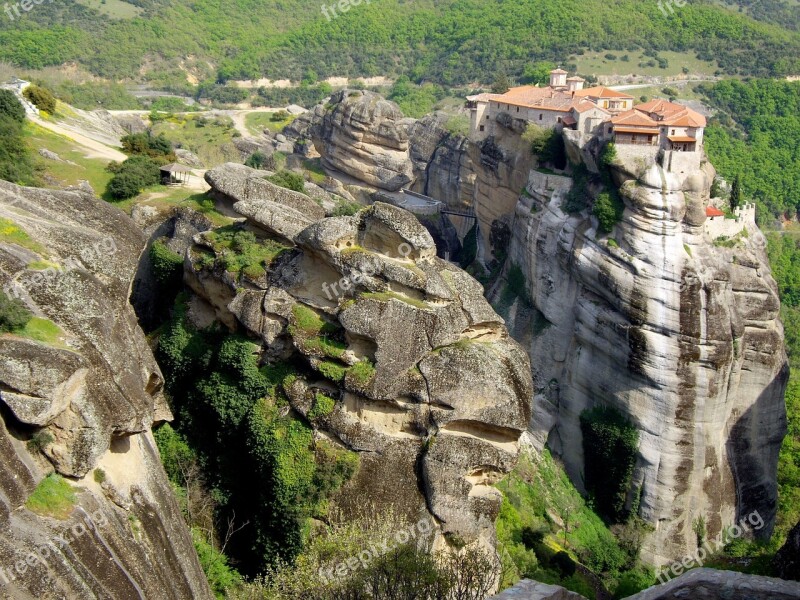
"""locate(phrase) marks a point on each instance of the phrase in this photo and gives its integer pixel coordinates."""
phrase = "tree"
(132, 176)
(16, 164)
(501, 84)
(736, 193)
(10, 106)
(610, 446)
(608, 208)
(41, 97)
(14, 315)
(537, 73)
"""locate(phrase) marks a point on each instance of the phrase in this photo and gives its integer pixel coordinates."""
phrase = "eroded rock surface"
(84, 383)
(681, 335)
(364, 136)
(426, 384)
(698, 584)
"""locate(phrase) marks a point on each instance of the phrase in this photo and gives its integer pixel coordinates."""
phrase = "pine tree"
(736, 194)
(501, 84)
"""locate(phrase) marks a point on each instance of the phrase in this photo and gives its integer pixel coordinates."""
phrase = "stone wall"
(719, 226)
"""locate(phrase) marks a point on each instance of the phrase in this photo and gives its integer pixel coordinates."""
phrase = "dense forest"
(754, 135)
(450, 42)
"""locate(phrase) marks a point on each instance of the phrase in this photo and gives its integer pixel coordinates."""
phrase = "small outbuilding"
(175, 174)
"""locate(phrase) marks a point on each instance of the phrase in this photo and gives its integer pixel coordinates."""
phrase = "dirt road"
(94, 149)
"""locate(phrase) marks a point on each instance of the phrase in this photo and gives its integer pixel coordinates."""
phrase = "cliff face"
(681, 335)
(407, 363)
(82, 398)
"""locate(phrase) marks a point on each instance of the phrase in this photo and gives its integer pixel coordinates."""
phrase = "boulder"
(364, 136)
(235, 183)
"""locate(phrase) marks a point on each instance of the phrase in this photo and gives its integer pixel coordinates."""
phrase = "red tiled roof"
(530, 96)
(681, 138)
(670, 113)
(601, 92)
(634, 118)
(712, 211)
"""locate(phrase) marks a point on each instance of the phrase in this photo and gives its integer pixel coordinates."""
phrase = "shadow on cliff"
(753, 446)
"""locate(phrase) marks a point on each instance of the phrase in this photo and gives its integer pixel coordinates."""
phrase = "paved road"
(638, 86)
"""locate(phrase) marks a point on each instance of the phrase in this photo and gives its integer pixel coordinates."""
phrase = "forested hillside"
(755, 137)
(452, 42)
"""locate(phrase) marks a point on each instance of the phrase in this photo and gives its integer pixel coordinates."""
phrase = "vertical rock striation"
(79, 390)
(681, 335)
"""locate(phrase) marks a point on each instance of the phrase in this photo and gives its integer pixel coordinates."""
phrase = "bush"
(99, 475)
(146, 144)
(133, 176)
(41, 97)
(167, 265)
(14, 315)
(608, 208)
(40, 440)
(346, 209)
(578, 196)
(289, 180)
(633, 582)
(10, 106)
(610, 446)
(221, 576)
(125, 185)
(259, 160)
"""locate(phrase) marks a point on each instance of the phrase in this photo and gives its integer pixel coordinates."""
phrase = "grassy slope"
(93, 170)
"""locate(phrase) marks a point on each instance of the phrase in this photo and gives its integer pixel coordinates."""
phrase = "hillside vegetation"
(452, 42)
(754, 137)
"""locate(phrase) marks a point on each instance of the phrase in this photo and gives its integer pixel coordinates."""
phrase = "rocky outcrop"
(420, 375)
(364, 136)
(80, 385)
(698, 584)
(237, 183)
(680, 335)
(786, 563)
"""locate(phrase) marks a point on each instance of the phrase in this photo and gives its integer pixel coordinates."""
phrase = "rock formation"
(680, 335)
(787, 561)
(83, 389)
(364, 136)
(424, 380)
(698, 584)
